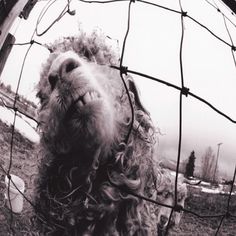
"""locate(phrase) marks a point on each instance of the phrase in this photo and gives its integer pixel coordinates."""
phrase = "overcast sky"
(153, 48)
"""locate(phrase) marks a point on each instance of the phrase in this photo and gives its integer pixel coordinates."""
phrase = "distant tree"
(209, 165)
(190, 165)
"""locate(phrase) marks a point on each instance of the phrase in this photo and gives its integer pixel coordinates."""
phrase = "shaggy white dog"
(166, 195)
(91, 162)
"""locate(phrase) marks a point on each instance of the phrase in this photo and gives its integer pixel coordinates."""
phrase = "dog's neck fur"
(74, 181)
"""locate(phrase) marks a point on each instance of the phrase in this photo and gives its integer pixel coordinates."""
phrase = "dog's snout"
(68, 66)
(163, 220)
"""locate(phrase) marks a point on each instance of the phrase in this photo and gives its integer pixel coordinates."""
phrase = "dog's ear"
(133, 88)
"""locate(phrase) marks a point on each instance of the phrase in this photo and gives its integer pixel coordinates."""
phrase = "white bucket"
(13, 195)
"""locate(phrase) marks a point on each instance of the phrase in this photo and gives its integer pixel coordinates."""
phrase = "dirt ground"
(25, 162)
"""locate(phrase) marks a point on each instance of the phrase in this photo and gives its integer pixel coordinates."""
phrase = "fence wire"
(183, 91)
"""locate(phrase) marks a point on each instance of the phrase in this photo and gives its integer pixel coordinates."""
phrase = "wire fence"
(123, 69)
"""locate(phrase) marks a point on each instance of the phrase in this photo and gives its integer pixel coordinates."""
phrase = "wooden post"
(5, 51)
(27, 9)
(231, 4)
(10, 18)
(5, 8)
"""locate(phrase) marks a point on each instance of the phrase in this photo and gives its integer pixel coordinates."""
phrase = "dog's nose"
(68, 66)
(163, 220)
(65, 68)
(53, 78)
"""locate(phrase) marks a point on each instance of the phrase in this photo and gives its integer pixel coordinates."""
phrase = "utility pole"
(217, 158)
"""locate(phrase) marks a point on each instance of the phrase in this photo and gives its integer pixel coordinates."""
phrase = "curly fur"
(83, 149)
(87, 170)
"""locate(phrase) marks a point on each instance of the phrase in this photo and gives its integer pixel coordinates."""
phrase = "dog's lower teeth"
(91, 95)
(94, 95)
(80, 103)
(86, 98)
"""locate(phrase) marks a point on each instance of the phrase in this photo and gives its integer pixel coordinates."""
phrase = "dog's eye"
(180, 198)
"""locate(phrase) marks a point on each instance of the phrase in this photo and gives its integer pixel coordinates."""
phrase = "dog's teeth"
(86, 98)
(92, 95)
(95, 94)
(80, 103)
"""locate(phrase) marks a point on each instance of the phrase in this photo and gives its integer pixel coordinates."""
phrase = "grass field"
(206, 204)
(24, 164)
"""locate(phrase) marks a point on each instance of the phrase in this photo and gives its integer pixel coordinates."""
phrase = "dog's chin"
(89, 124)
